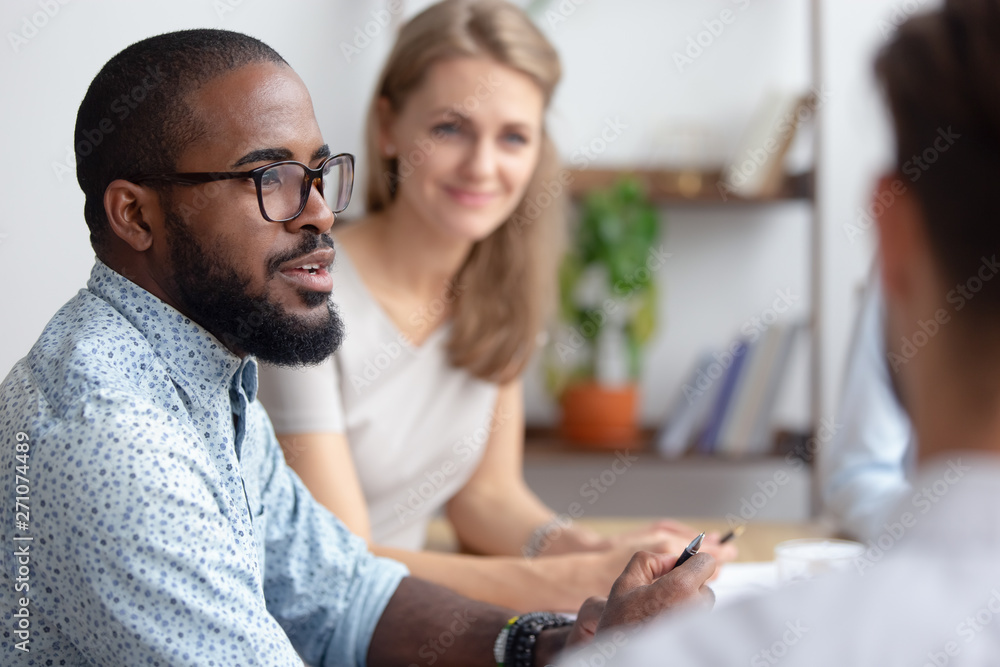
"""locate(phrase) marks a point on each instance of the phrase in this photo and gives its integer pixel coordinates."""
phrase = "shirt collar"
(200, 364)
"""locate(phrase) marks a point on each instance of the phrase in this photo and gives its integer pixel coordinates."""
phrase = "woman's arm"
(560, 583)
(496, 513)
(324, 463)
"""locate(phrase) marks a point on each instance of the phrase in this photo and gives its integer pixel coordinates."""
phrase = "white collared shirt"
(926, 592)
(863, 471)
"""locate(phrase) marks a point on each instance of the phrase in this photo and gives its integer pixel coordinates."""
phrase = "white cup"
(799, 560)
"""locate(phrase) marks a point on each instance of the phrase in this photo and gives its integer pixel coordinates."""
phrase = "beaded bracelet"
(515, 645)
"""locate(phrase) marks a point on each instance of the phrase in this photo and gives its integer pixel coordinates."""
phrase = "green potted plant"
(607, 314)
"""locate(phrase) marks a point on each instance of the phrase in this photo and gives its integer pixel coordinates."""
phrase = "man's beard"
(218, 298)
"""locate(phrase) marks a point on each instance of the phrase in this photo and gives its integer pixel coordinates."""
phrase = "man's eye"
(270, 179)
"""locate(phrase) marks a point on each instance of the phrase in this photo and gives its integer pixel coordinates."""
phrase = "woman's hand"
(663, 536)
(674, 536)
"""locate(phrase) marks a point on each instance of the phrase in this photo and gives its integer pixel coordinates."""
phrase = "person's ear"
(386, 118)
(902, 237)
(130, 209)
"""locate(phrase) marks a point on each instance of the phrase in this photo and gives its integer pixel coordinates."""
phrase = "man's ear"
(130, 209)
(902, 237)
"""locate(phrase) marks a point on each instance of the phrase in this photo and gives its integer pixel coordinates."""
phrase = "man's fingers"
(692, 575)
(644, 568)
(586, 620)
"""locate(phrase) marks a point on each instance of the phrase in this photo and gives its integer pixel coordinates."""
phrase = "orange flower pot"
(599, 417)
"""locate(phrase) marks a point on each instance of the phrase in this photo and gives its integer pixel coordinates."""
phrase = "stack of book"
(727, 404)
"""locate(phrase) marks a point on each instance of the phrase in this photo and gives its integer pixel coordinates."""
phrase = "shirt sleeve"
(863, 471)
(325, 588)
(303, 399)
(137, 555)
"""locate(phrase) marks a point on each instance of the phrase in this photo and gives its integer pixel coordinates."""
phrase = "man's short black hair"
(134, 119)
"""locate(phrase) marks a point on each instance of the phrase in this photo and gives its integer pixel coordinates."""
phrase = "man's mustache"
(310, 242)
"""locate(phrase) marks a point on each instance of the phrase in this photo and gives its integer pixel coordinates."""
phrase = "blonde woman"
(443, 288)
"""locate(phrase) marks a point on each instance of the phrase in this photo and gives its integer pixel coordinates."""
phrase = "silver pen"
(690, 550)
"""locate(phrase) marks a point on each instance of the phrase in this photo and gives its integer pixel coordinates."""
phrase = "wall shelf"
(665, 186)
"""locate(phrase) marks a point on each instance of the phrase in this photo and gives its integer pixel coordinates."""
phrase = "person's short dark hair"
(134, 118)
(941, 75)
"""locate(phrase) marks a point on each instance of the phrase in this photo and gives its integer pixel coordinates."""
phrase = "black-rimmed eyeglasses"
(282, 187)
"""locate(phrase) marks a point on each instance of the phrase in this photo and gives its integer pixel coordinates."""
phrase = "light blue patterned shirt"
(148, 514)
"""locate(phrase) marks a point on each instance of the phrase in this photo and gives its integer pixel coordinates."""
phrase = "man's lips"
(311, 271)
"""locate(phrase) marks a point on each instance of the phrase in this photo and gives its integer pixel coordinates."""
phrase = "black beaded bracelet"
(523, 636)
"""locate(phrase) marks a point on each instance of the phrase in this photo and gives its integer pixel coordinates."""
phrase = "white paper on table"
(738, 581)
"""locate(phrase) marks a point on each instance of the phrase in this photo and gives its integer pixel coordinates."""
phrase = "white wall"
(727, 263)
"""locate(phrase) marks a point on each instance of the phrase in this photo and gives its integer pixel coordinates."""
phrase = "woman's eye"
(446, 129)
(515, 138)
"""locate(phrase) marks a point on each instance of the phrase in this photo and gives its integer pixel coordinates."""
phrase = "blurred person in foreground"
(928, 593)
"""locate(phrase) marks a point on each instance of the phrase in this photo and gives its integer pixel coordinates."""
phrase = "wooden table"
(756, 544)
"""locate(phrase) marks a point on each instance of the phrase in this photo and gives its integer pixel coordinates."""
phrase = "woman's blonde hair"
(504, 289)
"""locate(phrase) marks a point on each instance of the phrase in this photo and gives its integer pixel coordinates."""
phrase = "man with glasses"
(151, 517)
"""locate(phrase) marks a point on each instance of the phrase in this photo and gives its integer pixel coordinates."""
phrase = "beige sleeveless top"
(417, 426)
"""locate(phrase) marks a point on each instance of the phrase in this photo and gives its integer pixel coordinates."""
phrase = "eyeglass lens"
(284, 190)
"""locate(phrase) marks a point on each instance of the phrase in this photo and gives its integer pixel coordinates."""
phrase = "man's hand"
(587, 620)
(648, 587)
